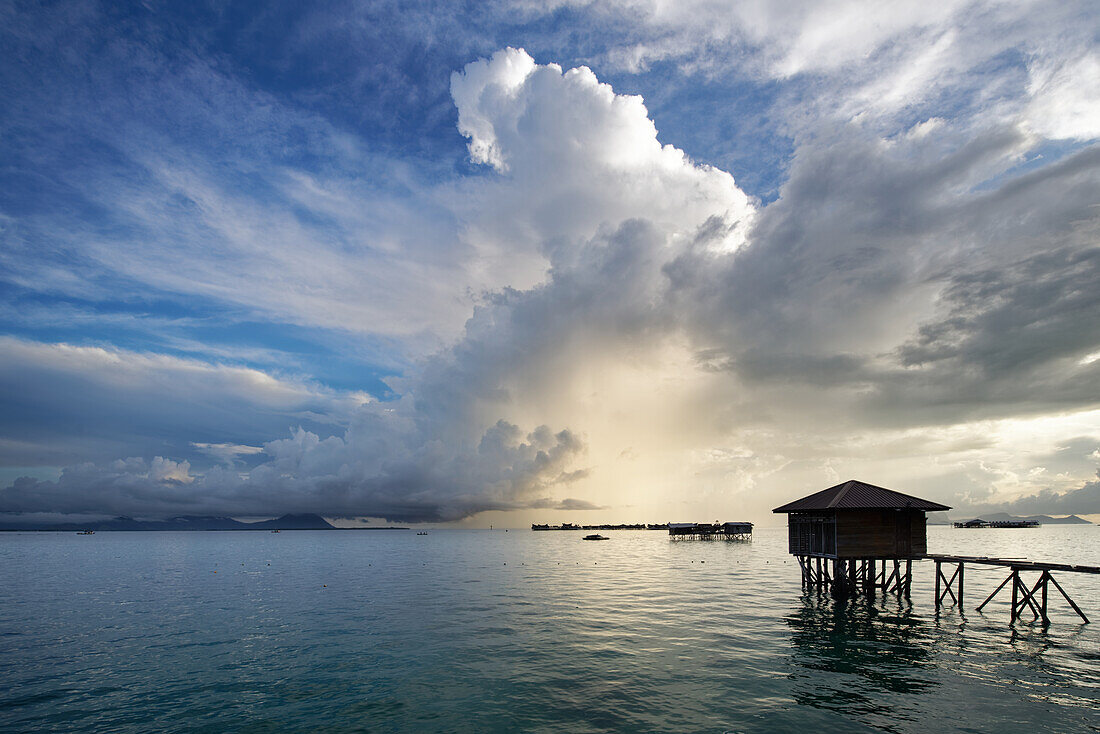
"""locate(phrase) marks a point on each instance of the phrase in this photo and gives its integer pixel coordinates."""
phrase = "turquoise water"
(485, 631)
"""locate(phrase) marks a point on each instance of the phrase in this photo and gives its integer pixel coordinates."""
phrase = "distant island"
(193, 522)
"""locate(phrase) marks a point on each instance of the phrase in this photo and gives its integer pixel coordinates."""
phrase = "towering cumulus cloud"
(575, 161)
(583, 187)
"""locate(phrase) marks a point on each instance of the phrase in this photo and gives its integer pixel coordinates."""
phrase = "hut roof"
(855, 495)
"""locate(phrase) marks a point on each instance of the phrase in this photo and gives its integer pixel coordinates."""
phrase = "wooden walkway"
(1024, 598)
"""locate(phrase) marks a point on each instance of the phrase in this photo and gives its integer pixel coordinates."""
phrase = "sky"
(512, 262)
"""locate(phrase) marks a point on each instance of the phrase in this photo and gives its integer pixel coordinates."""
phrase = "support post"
(995, 592)
(1028, 598)
(1015, 592)
(1064, 594)
(1044, 578)
(948, 585)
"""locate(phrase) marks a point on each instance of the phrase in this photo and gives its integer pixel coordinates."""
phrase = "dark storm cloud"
(383, 470)
(829, 292)
(1007, 323)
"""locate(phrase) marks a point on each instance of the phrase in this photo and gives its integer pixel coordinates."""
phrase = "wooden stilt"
(1015, 594)
(1066, 596)
(1028, 599)
(840, 579)
(995, 592)
(948, 586)
(1045, 577)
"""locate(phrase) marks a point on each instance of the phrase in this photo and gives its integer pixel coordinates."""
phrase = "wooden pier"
(980, 523)
(1025, 598)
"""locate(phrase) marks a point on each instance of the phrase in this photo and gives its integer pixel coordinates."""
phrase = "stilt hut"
(856, 528)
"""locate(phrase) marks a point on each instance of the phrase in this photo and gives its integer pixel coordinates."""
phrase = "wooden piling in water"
(850, 577)
(1034, 598)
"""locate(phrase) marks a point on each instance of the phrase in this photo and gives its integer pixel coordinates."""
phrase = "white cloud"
(902, 287)
(575, 159)
(1065, 96)
(878, 61)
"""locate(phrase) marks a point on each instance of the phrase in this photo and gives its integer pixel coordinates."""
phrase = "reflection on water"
(867, 650)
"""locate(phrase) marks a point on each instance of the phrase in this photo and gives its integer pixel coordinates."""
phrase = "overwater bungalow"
(857, 526)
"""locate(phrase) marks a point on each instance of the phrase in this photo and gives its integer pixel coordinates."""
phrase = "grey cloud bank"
(1082, 501)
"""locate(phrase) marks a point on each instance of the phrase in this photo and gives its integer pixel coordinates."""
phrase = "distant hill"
(291, 522)
(1041, 519)
(186, 522)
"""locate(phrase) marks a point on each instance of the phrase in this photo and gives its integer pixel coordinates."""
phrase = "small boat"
(422, 533)
(274, 531)
(596, 537)
(85, 532)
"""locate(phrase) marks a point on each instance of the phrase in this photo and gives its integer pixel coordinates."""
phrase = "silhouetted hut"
(856, 524)
(710, 531)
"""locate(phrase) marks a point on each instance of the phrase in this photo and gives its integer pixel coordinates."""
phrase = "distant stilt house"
(710, 531)
(844, 536)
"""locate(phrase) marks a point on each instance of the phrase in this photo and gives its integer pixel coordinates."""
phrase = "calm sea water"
(490, 631)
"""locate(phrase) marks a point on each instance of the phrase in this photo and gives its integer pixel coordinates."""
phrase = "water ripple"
(483, 632)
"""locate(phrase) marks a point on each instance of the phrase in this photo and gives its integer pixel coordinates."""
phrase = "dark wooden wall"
(860, 533)
(880, 534)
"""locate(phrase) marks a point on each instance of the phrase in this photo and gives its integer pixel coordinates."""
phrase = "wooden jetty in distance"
(571, 526)
(855, 536)
(710, 531)
(980, 523)
(676, 530)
